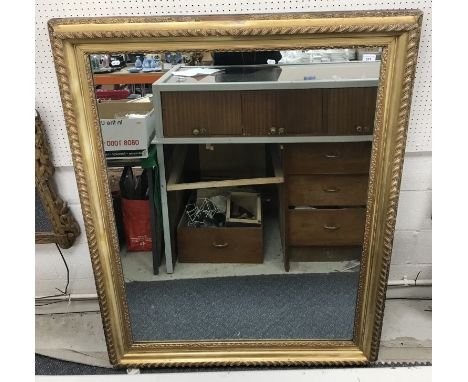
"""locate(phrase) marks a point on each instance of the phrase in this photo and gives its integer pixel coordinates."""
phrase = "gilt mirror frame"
(64, 228)
(397, 32)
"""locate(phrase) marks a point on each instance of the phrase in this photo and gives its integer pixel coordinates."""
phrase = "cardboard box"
(248, 202)
(125, 135)
(369, 54)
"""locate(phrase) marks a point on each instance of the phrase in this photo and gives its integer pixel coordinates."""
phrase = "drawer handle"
(331, 189)
(331, 227)
(332, 156)
(201, 131)
(359, 129)
(219, 245)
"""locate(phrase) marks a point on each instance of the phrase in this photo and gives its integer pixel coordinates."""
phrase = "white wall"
(412, 246)
(412, 251)
(50, 270)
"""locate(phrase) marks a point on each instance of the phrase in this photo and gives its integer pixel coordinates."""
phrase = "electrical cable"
(68, 271)
(62, 292)
(48, 303)
(416, 279)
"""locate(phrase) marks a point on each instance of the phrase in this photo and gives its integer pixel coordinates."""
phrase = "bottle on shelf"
(95, 62)
(105, 61)
(156, 64)
(138, 63)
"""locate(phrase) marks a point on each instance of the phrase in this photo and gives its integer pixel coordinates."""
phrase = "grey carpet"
(52, 366)
(287, 306)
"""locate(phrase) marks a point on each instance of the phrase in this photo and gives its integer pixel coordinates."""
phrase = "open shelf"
(176, 183)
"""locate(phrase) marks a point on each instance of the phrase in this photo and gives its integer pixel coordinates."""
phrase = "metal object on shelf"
(204, 212)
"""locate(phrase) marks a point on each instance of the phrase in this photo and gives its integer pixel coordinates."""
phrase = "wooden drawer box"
(327, 190)
(326, 226)
(219, 245)
(328, 158)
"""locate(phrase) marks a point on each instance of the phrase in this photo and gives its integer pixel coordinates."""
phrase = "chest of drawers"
(326, 194)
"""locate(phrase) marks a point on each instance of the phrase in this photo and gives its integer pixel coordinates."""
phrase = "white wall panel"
(414, 210)
(51, 272)
(417, 172)
(410, 271)
(48, 258)
(47, 95)
(412, 249)
(65, 183)
(412, 246)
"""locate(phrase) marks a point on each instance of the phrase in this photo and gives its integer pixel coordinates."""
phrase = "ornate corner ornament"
(65, 227)
(397, 32)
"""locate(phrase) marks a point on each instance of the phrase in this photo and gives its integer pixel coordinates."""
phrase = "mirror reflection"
(239, 185)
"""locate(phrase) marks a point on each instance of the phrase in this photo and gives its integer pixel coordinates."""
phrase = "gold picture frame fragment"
(64, 228)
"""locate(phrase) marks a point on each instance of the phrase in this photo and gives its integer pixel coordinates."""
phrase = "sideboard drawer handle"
(219, 245)
(331, 227)
(331, 189)
(332, 156)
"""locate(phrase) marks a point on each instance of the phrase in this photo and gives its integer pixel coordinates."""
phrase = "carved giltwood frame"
(397, 32)
(65, 228)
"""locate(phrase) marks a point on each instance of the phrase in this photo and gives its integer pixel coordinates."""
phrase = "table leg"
(164, 210)
(154, 222)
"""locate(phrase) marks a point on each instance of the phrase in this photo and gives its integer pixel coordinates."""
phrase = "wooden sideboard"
(319, 131)
(340, 111)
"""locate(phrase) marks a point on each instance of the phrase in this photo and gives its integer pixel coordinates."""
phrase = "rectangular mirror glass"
(227, 238)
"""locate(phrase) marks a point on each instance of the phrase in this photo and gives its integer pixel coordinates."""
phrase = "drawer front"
(220, 245)
(326, 227)
(194, 114)
(328, 158)
(327, 190)
(349, 111)
(325, 253)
